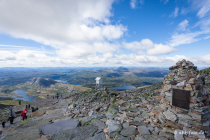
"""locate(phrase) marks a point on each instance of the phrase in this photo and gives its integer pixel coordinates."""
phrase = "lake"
(22, 95)
(122, 87)
(61, 81)
(65, 82)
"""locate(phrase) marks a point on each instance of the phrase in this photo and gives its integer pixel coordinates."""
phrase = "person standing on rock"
(19, 102)
(3, 123)
(11, 119)
(23, 114)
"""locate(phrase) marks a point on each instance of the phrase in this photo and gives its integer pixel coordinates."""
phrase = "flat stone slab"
(170, 115)
(129, 131)
(78, 133)
(143, 130)
(113, 126)
(53, 128)
(38, 113)
(122, 138)
(151, 137)
(100, 136)
(28, 134)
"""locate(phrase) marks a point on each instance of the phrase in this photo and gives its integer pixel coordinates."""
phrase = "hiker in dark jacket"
(11, 119)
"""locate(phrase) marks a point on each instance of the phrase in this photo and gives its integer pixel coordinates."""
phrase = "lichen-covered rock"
(113, 126)
(100, 136)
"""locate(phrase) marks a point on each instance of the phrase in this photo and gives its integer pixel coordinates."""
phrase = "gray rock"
(199, 99)
(125, 125)
(132, 109)
(168, 94)
(143, 130)
(99, 124)
(170, 115)
(111, 116)
(137, 123)
(129, 131)
(181, 84)
(145, 115)
(184, 122)
(100, 136)
(157, 130)
(91, 113)
(78, 133)
(151, 137)
(53, 128)
(150, 128)
(113, 126)
(178, 135)
(168, 98)
(163, 107)
(87, 120)
(168, 82)
(198, 117)
(187, 117)
(161, 118)
(27, 134)
(119, 137)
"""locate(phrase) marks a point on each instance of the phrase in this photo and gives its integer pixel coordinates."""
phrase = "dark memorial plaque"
(181, 98)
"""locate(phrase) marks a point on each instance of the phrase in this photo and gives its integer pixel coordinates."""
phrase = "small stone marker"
(181, 98)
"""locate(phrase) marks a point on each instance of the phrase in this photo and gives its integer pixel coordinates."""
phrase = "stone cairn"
(195, 120)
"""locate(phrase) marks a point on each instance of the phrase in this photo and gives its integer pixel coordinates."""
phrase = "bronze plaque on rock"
(181, 98)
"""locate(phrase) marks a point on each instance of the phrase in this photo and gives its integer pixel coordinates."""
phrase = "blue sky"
(88, 33)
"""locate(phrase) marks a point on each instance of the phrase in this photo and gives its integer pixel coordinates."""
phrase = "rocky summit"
(177, 109)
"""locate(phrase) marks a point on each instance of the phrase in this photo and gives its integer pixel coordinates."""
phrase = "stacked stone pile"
(185, 76)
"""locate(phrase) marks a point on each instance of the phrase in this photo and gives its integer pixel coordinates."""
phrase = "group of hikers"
(13, 115)
(56, 96)
(23, 114)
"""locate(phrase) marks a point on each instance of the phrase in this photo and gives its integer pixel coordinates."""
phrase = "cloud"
(160, 49)
(164, 1)
(184, 11)
(61, 24)
(141, 2)
(204, 8)
(201, 29)
(149, 46)
(133, 4)
(185, 38)
(182, 26)
(143, 44)
(174, 13)
(30, 58)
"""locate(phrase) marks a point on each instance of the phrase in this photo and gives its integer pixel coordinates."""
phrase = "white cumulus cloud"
(160, 49)
(61, 24)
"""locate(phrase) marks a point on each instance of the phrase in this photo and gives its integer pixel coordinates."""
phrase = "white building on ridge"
(98, 82)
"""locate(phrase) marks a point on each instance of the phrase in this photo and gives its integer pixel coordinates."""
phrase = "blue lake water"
(65, 82)
(22, 95)
(122, 87)
(61, 81)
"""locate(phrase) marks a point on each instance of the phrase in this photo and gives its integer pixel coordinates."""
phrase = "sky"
(104, 33)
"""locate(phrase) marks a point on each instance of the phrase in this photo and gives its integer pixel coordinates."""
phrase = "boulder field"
(138, 114)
